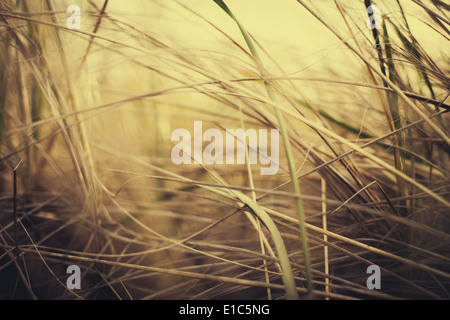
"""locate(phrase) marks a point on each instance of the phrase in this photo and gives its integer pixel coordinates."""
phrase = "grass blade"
(288, 150)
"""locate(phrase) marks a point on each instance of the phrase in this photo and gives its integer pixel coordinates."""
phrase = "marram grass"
(88, 114)
(290, 292)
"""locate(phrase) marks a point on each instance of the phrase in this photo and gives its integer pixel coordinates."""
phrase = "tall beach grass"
(86, 176)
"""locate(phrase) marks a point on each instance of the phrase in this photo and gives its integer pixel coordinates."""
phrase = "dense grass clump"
(86, 175)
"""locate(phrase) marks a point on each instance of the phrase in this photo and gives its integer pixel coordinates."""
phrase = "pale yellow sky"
(288, 32)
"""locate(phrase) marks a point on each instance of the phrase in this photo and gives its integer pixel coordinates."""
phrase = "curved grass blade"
(288, 278)
(288, 150)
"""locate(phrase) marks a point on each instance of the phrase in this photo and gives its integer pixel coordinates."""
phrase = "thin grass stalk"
(392, 99)
(376, 37)
(399, 155)
(288, 150)
(287, 274)
(427, 119)
(325, 237)
(86, 163)
(15, 215)
(252, 186)
(364, 246)
(3, 88)
(412, 49)
(367, 163)
(394, 87)
(312, 227)
(97, 26)
(181, 273)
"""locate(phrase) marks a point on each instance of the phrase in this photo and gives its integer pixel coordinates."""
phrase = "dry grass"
(89, 114)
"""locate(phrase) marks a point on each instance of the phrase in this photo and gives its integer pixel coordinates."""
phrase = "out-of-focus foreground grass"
(88, 115)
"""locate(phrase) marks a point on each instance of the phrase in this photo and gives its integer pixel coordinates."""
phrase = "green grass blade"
(411, 48)
(288, 150)
(244, 32)
(399, 157)
(376, 37)
(283, 257)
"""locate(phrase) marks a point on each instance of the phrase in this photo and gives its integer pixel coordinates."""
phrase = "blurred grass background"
(90, 113)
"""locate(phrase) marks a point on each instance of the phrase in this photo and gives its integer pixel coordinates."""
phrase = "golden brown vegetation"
(86, 117)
